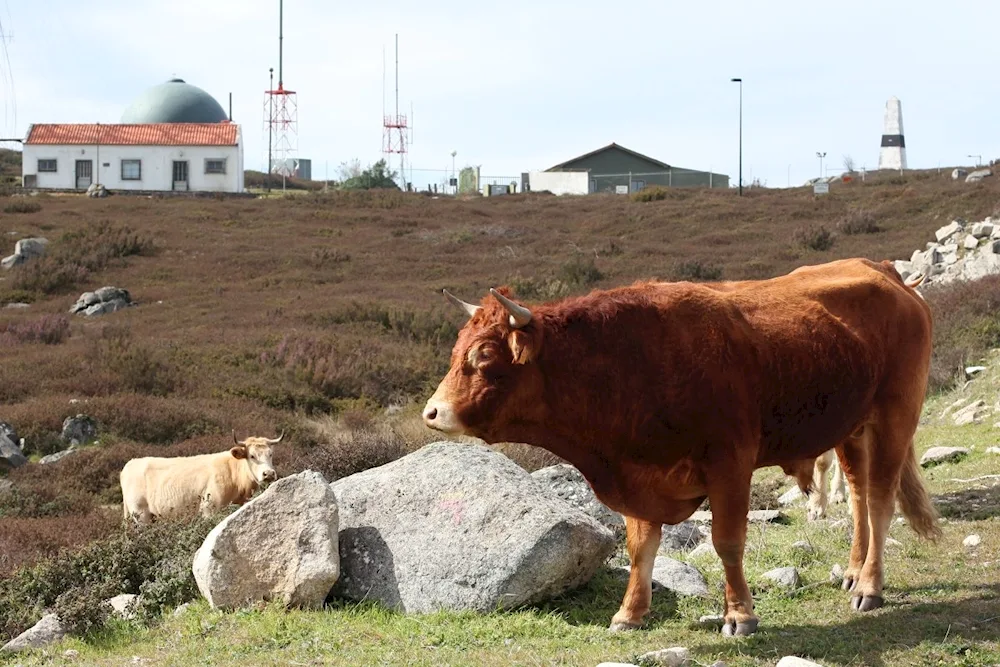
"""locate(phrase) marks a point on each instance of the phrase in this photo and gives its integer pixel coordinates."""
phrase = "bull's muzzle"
(269, 475)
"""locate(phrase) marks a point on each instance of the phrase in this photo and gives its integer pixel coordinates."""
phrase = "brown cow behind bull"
(663, 394)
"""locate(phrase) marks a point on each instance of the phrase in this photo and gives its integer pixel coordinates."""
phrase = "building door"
(84, 174)
(180, 175)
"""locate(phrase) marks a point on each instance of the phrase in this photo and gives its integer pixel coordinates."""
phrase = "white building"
(204, 157)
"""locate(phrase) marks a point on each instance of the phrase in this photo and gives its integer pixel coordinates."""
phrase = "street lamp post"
(740, 81)
(979, 159)
(453, 154)
(821, 156)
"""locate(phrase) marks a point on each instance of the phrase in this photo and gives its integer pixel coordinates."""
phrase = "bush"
(695, 270)
(858, 222)
(815, 237)
(132, 366)
(22, 206)
(48, 329)
(154, 561)
(538, 289)
(655, 193)
(580, 271)
(966, 325)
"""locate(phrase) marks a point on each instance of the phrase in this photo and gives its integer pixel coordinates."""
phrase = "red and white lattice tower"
(394, 131)
(281, 113)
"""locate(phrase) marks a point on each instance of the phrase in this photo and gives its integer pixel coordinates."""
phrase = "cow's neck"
(243, 479)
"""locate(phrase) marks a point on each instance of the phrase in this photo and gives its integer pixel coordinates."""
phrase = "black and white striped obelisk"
(893, 152)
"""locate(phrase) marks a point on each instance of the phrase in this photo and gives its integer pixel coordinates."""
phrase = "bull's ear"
(522, 346)
(238, 452)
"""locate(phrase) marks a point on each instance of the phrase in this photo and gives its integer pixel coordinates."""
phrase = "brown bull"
(663, 394)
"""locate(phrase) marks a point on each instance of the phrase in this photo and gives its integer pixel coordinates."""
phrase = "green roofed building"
(174, 101)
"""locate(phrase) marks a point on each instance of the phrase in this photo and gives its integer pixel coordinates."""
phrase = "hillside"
(315, 312)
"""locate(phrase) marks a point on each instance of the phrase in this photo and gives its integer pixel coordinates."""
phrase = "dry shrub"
(22, 206)
(74, 256)
(966, 325)
(538, 289)
(527, 456)
(579, 271)
(432, 325)
(696, 270)
(24, 542)
(858, 221)
(47, 329)
(814, 237)
(119, 363)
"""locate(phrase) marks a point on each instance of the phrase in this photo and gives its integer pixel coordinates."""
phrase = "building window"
(131, 170)
(46, 165)
(638, 184)
(215, 166)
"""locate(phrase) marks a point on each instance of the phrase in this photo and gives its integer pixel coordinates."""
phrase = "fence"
(673, 178)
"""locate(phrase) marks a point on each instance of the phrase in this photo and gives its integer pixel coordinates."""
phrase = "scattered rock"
(461, 527)
(790, 496)
(936, 455)
(841, 523)
(11, 455)
(972, 370)
(712, 620)
(683, 536)
(182, 609)
(949, 230)
(24, 250)
(47, 631)
(753, 516)
(668, 657)
(973, 413)
(569, 484)
(52, 458)
(795, 661)
(786, 577)
(281, 545)
(993, 450)
(836, 574)
(978, 175)
(704, 549)
(982, 230)
(5, 485)
(79, 430)
(105, 300)
(680, 577)
(97, 190)
(970, 242)
(892, 542)
(803, 545)
(124, 605)
(71, 653)
(958, 173)
(972, 541)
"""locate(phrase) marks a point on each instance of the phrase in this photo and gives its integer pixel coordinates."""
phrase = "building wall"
(560, 182)
(156, 166)
(611, 168)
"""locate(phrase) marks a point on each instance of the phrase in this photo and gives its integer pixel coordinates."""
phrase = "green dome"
(175, 102)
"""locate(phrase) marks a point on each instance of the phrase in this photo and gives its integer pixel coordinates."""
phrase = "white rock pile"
(960, 251)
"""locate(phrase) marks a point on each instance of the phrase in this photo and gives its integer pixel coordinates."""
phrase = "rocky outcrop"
(10, 449)
(104, 300)
(461, 527)
(25, 250)
(566, 482)
(960, 251)
(281, 545)
(47, 631)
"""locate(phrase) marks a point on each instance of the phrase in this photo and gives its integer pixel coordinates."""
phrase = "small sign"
(821, 188)
(621, 189)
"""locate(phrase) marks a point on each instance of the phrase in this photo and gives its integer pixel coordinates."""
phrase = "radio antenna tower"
(282, 113)
(394, 127)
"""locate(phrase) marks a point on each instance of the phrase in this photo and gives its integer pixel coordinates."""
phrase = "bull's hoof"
(867, 602)
(744, 629)
(848, 583)
(623, 626)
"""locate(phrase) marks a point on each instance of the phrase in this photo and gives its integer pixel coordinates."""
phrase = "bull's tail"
(915, 502)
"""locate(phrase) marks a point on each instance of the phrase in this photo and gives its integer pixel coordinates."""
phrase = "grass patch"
(22, 206)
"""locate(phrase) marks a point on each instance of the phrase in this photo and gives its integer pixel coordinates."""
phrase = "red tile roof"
(152, 134)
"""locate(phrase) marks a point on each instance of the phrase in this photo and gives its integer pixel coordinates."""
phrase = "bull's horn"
(235, 441)
(467, 307)
(519, 315)
(275, 441)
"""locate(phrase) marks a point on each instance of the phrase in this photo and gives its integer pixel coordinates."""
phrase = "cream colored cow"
(821, 495)
(181, 486)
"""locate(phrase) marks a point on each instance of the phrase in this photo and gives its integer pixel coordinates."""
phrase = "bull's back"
(175, 485)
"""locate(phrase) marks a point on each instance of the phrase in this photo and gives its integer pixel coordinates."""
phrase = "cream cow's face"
(257, 454)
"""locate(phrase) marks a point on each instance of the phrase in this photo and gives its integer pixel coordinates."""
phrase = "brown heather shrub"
(127, 365)
(966, 325)
(697, 271)
(48, 329)
(814, 237)
(22, 206)
(24, 542)
(73, 257)
(858, 221)
(528, 457)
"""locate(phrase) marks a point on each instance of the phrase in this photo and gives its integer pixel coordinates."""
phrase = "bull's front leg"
(729, 495)
(642, 539)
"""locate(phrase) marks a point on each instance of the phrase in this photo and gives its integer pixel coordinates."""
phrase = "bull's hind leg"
(889, 446)
(642, 539)
(729, 495)
(853, 454)
(819, 498)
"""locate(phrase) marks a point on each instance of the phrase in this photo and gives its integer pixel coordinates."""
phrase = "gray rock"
(5, 485)
(978, 175)
(936, 455)
(703, 549)
(568, 483)
(104, 300)
(753, 516)
(982, 230)
(461, 527)
(679, 577)
(181, 610)
(17, 306)
(52, 458)
(124, 605)
(668, 657)
(786, 577)
(958, 173)
(836, 574)
(79, 430)
(970, 242)
(31, 248)
(993, 450)
(10, 453)
(712, 620)
(949, 230)
(970, 414)
(281, 545)
(794, 661)
(972, 541)
(803, 545)
(790, 496)
(683, 536)
(47, 631)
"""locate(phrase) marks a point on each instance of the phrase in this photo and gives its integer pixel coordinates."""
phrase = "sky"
(523, 85)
